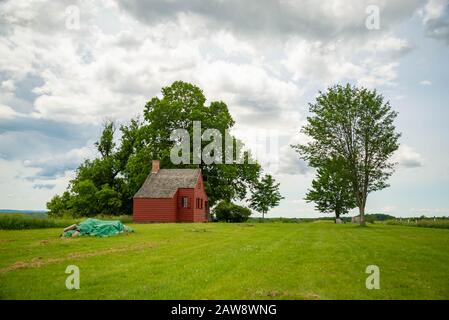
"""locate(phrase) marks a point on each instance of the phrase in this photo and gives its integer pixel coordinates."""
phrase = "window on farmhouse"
(185, 202)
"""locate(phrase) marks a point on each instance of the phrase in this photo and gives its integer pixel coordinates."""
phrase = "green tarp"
(99, 228)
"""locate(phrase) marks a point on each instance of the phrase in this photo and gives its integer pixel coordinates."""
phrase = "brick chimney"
(155, 165)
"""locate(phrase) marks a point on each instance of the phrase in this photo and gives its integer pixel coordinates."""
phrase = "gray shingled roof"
(165, 183)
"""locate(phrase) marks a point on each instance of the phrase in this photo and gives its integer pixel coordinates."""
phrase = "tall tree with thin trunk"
(265, 195)
(357, 125)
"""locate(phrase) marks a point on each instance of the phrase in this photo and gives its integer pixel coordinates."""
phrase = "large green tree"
(182, 104)
(107, 183)
(265, 195)
(331, 189)
(357, 125)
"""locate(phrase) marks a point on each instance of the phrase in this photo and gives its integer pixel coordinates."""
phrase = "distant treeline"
(23, 211)
(368, 217)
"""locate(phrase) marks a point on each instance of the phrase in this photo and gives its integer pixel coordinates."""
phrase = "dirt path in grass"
(40, 262)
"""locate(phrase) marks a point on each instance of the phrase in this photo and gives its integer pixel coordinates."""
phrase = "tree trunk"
(362, 214)
(263, 215)
(361, 202)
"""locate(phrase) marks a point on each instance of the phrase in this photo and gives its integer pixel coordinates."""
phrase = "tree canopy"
(357, 125)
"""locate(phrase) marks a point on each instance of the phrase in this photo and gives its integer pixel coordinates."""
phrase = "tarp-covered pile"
(95, 227)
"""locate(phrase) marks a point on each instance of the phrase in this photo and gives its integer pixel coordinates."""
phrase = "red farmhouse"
(171, 195)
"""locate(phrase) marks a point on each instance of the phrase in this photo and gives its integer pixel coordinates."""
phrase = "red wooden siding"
(154, 210)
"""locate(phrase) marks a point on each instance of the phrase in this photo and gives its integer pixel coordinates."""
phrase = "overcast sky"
(60, 79)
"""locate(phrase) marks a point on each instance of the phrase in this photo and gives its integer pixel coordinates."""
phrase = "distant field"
(316, 260)
(425, 223)
(41, 212)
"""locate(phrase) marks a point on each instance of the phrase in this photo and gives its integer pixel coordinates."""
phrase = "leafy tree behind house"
(331, 189)
(357, 125)
(182, 104)
(265, 195)
(106, 184)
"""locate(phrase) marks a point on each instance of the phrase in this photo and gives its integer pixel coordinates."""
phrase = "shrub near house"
(230, 212)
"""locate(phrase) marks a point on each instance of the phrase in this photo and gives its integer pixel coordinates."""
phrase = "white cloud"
(124, 70)
(246, 87)
(425, 82)
(93, 72)
(7, 112)
(435, 17)
(270, 20)
(407, 157)
(369, 62)
(8, 85)
(433, 9)
(289, 162)
(51, 167)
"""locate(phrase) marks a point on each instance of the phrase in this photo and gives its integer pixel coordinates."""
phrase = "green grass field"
(317, 260)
